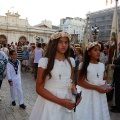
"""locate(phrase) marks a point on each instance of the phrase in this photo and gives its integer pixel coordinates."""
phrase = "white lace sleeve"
(43, 63)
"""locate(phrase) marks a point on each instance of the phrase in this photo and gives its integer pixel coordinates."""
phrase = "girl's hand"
(100, 89)
(74, 90)
(108, 90)
(105, 82)
(67, 104)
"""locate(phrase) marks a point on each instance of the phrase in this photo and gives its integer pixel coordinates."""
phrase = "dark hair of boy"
(11, 52)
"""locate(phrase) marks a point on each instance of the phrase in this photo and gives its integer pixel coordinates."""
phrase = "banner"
(113, 46)
(85, 37)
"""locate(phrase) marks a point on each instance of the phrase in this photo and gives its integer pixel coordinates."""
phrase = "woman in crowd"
(32, 58)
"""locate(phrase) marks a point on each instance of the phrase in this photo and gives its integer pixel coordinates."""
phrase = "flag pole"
(85, 38)
(113, 46)
(114, 33)
(117, 28)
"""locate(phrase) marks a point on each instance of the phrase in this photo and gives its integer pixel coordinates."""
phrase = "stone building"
(74, 26)
(103, 20)
(14, 29)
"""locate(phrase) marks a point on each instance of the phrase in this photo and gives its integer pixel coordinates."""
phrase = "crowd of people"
(61, 72)
(16, 58)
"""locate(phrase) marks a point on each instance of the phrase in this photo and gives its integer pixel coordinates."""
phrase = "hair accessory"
(92, 44)
(59, 35)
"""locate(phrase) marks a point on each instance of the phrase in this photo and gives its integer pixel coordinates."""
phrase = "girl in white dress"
(91, 81)
(55, 100)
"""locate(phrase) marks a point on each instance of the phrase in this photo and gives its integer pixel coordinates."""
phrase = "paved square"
(8, 112)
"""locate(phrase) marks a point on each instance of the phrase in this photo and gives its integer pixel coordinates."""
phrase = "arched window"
(3, 39)
(22, 39)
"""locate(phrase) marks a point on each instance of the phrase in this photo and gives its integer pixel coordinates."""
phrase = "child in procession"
(92, 82)
(14, 79)
(54, 83)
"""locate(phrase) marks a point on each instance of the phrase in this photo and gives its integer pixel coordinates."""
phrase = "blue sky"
(53, 10)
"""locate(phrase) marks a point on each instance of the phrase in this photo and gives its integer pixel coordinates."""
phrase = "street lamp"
(95, 31)
(39, 39)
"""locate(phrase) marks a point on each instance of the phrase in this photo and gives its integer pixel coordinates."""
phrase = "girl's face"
(95, 52)
(62, 45)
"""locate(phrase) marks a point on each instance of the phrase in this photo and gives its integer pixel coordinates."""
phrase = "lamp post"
(39, 39)
(95, 31)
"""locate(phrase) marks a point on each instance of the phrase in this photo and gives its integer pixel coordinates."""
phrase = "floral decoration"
(92, 44)
(59, 35)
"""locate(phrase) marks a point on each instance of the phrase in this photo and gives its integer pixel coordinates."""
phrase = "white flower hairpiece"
(92, 44)
(59, 35)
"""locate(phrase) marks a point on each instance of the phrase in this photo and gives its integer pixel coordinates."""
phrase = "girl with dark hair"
(54, 83)
(92, 82)
(32, 58)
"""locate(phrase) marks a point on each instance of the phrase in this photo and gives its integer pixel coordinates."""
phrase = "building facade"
(47, 24)
(74, 26)
(103, 20)
(14, 29)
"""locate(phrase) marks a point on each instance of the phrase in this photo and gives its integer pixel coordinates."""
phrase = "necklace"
(61, 67)
(97, 75)
(60, 76)
(96, 69)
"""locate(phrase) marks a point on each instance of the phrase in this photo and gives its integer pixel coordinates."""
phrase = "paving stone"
(8, 112)
(17, 115)
(10, 117)
(3, 117)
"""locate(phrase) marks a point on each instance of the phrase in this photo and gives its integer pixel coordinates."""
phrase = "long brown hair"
(50, 54)
(86, 61)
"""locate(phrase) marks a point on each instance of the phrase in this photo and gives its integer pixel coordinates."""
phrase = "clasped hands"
(104, 88)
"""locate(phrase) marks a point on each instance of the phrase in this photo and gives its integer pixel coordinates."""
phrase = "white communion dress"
(93, 105)
(58, 85)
